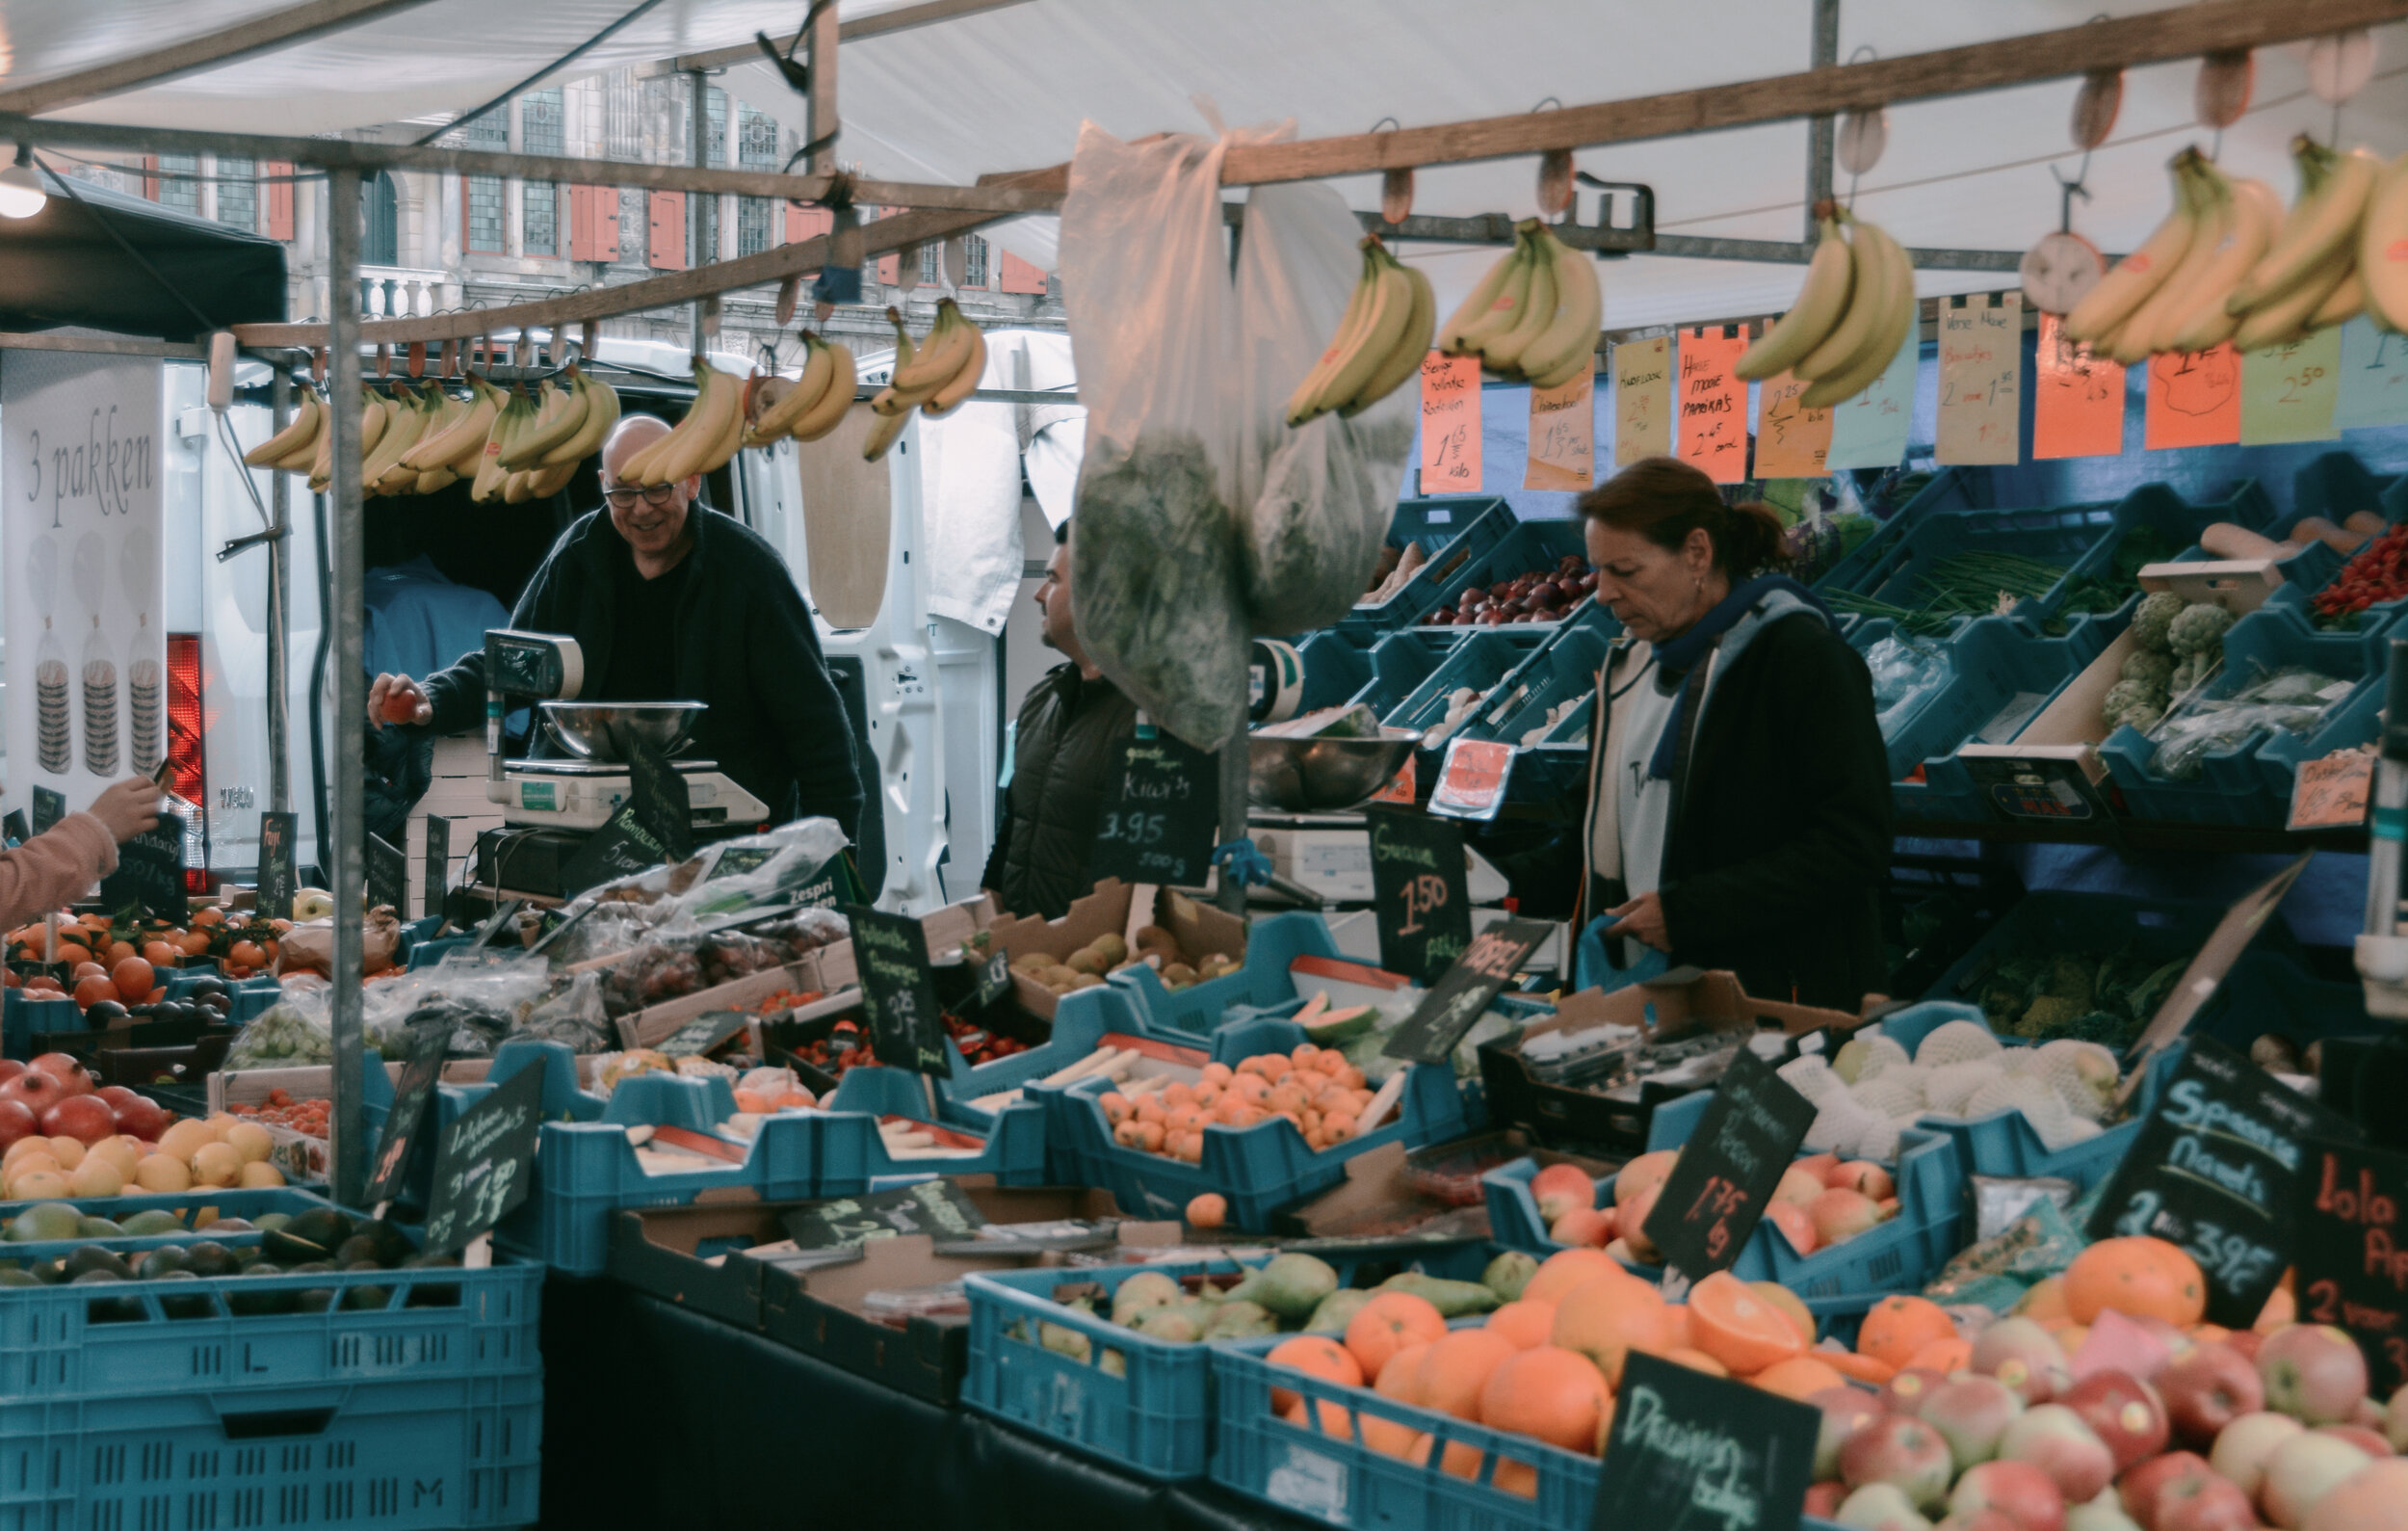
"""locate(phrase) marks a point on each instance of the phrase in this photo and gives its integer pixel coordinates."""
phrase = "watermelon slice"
(1333, 1026)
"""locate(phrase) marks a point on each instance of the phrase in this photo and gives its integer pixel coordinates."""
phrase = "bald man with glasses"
(675, 603)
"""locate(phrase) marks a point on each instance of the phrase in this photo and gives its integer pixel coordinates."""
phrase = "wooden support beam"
(825, 123)
(886, 23)
(277, 29)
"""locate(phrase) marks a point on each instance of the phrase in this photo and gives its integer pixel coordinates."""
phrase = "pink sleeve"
(54, 868)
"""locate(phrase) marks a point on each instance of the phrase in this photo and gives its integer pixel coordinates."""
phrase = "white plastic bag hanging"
(1156, 580)
(1319, 498)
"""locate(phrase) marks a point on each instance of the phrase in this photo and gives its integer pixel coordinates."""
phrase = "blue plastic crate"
(1897, 1255)
(1994, 662)
(1525, 547)
(1190, 1016)
(2250, 783)
(2006, 1143)
(2177, 522)
(23, 1018)
(1262, 1170)
(1952, 489)
(2062, 920)
(1481, 662)
(1086, 1020)
(236, 1203)
(1445, 526)
(411, 1456)
(1563, 668)
(431, 953)
(253, 997)
(1011, 1141)
(2338, 485)
(1338, 672)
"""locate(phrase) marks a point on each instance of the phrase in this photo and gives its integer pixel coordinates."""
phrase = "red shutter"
(593, 223)
(278, 196)
(668, 231)
(807, 222)
(1017, 275)
(151, 182)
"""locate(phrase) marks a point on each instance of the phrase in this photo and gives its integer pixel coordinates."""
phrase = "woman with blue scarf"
(1739, 808)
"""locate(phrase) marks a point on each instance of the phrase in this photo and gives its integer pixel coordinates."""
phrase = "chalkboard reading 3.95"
(1161, 805)
(485, 1162)
(2215, 1171)
(899, 991)
(1724, 1178)
(1418, 893)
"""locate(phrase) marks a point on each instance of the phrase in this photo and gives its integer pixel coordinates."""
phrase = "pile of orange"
(1317, 1089)
(101, 954)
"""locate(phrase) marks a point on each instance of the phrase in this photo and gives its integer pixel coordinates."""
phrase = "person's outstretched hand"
(397, 699)
(128, 809)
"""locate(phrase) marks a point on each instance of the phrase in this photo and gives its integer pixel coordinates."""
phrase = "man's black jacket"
(743, 645)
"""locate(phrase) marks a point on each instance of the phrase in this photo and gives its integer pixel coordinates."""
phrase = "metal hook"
(2068, 190)
(1864, 51)
(1375, 125)
(1544, 100)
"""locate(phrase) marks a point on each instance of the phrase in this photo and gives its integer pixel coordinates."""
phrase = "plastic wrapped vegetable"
(2294, 699)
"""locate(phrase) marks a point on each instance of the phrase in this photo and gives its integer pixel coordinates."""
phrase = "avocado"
(51, 1272)
(88, 1258)
(228, 1225)
(247, 1304)
(356, 1251)
(150, 1223)
(269, 1222)
(13, 1276)
(313, 1235)
(314, 1300)
(368, 1299)
(184, 1304)
(156, 1263)
(209, 1257)
(392, 1244)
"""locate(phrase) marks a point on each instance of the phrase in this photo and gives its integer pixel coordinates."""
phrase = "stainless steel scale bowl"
(608, 731)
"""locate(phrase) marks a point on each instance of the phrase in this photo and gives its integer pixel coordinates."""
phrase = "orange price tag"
(1472, 784)
(1714, 403)
(2194, 398)
(1562, 438)
(2077, 404)
(2332, 793)
(1400, 790)
(1643, 400)
(1450, 424)
(1792, 440)
(1982, 380)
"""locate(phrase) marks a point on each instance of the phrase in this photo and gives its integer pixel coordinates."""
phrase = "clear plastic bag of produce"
(723, 877)
(673, 966)
(1321, 495)
(296, 1030)
(1904, 672)
(1157, 567)
(574, 1016)
(2293, 698)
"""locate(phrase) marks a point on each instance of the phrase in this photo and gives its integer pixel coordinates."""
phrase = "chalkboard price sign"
(663, 806)
(485, 1161)
(439, 864)
(697, 1038)
(1460, 997)
(938, 1208)
(278, 834)
(622, 847)
(2214, 1171)
(899, 991)
(1726, 1174)
(994, 978)
(387, 872)
(2353, 1268)
(1691, 1450)
(429, 1041)
(1161, 805)
(1418, 893)
(50, 808)
(150, 871)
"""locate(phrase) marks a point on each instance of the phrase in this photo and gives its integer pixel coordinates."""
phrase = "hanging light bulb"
(20, 187)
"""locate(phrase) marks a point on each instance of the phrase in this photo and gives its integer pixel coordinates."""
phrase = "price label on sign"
(899, 991)
(1449, 425)
(1717, 1192)
(484, 1162)
(1689, 1452)
(1418, 893)
(1465, 991)
(1161, 806)
(2215, 1171)
(2353, 1261)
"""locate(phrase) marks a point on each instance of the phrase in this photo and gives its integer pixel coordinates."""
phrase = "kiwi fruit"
(1111, 948)
(1086, 960)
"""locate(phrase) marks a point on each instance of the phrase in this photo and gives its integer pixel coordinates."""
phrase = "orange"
(1208, 1211)
(159, 954)
(1735, 1327)
(1525, 1322)
(1607, 1318)
(119, 951)
(1550, 1395)
(1565, 1269)
(1900, 1326)
(208, 915)
(1800, 1377)
(1388, 1322)
(1515, 1477)
(95, 988)
(1455, 1369)
(1787, 1301)
(88, 968)
(1943, 1356)
(1462, 1458)
(1855, 1367)
(194, 943)
(2139, 1278)
(1333, 1418)
(1316, 1355)
(133, 978)
(1387, 1437)
(1402, 1378)
(1696, 1360)
(2045, 1301)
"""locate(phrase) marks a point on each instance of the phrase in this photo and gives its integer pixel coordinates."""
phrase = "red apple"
(2304, 1470)
(1905, 1453)
(1824, 1499)
(1843, 1410)
(1880, 1507)
(2207, 1390)
(1817, 1165)
(84, 1118)
(1561, 1188)
(2025, 1356)
(17, 1121)
(1982, 1519)
(2243, 1447)
(1971, 1413)
(2313, 1372)
(1583, 1225)
(1843, 1215)
(2122, 1411)
(2246, 1341)
(1861, 1176)
(2202, 1501)
(2137, 1488)
(64, 1069)
(2375, 1499)
(2061, 1443)
(2026, 1496)
(2369, 1441)
(1904, 1393)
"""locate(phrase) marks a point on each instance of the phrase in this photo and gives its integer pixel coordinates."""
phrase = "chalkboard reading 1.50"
(899, 991)
(1161, 805)
(2215, 1171)
(1418, 893)
(1719, 1189)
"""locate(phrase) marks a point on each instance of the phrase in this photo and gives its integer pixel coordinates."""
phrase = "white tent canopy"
(1006, 88)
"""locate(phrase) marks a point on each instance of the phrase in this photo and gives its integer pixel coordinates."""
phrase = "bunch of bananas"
(1380, 342)
(2195, 283)
(1535, 315)
(705, 439)
(806, 408)
(933, 375)
(1854, 310)
(418, 439)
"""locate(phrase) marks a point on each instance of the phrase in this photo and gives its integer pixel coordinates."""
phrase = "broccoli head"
(2157, 613)
(2148, 667)
(2199, 630)
(2050, 1015)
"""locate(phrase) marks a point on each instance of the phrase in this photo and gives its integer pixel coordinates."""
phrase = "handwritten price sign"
(1418, 893)
(1562, 437)
(1714, 403)
(1717, 1192)
(1643, 400)
(1450, 424)
(1792, 440)
(484, 1162)
(2077, 404)
(1982, 379)
(2287, 392)
(1464, 991)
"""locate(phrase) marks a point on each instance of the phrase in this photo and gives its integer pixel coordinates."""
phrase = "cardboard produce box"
(821, 1312)
(1683, 1003)
(1200, 929)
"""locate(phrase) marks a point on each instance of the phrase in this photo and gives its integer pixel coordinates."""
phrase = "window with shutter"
(756, 149)
(807, 222)
(973, 262)
(178, 183)
(539, 123)
(483, 203)
(1019, 277)
(593, 223)
(238, 194)
(668, 231)
(278, 190)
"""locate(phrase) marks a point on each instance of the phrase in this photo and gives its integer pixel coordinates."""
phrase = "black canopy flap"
(62, 267)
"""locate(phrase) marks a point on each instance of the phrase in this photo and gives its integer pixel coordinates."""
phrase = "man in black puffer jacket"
(1068, 739)
(670, 601)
